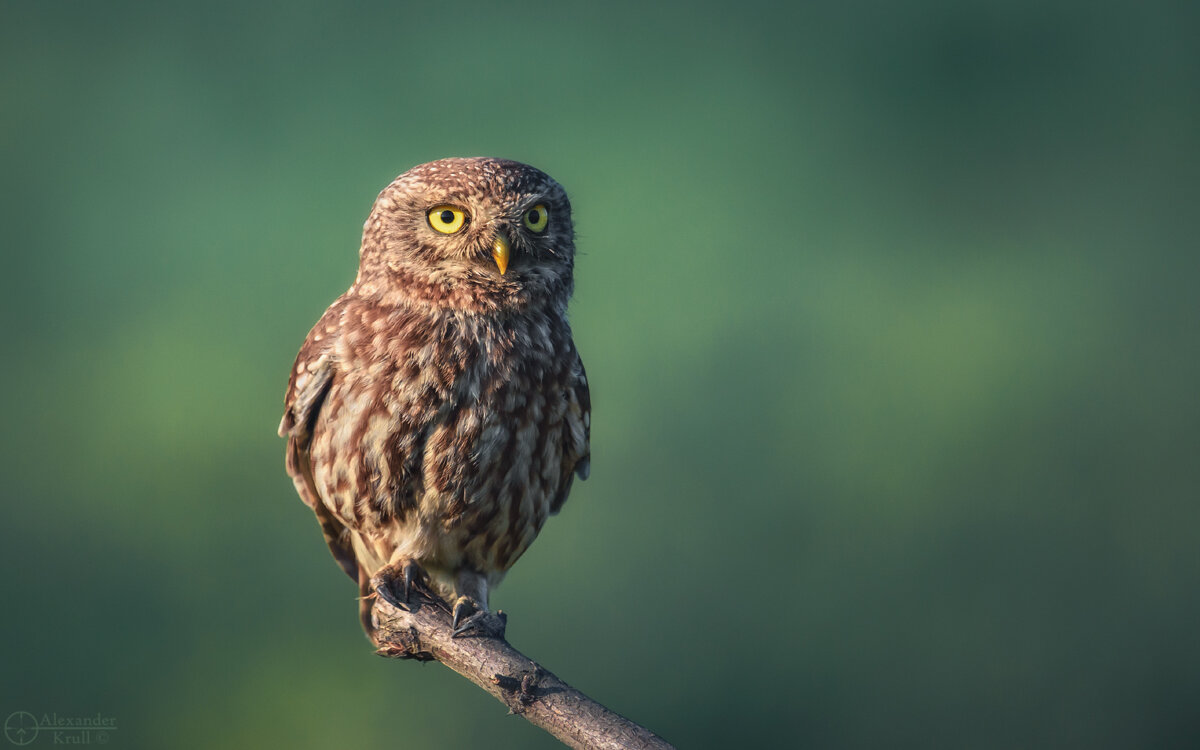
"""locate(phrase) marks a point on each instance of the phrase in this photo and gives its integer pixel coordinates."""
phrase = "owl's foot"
(405, 572)
(469, 616)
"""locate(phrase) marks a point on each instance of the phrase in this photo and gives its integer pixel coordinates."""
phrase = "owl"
(438, 411)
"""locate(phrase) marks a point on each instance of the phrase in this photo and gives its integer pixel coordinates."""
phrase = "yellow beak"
(501, 252)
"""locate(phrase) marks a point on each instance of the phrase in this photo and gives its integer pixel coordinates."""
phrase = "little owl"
(438, 410)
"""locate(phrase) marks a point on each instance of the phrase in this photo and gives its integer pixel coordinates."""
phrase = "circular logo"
(21, 727)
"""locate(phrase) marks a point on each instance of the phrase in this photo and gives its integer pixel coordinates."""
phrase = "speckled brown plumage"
(438, 410)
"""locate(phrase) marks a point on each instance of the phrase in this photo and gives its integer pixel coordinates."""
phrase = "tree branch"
(423, 632)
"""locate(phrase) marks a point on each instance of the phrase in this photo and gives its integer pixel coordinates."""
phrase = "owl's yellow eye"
(447, 219)
(536, 218)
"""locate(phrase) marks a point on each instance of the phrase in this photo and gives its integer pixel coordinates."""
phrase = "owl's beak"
(501, 251)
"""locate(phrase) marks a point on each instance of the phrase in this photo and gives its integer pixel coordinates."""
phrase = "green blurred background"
(889, 311)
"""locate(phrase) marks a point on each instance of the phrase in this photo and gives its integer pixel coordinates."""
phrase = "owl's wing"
(311, 378)
(577, 426)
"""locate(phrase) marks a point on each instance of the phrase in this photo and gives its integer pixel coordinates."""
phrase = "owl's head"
(477, 235)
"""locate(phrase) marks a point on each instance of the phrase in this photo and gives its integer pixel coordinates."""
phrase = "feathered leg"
(471, 608)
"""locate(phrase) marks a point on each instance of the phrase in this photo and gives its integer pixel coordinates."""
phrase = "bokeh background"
(889, 310)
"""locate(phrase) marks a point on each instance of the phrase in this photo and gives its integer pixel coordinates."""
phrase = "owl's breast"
(459, 439)
(494, 464)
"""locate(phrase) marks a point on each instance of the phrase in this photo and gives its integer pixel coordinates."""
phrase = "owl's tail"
(366, 601)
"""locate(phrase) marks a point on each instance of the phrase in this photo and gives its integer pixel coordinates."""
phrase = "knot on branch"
(401, 643)
(523, 691)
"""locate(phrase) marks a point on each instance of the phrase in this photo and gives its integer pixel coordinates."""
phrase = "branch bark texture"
(423, 632)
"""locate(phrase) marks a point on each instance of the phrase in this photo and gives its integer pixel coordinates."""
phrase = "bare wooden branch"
(423, 632)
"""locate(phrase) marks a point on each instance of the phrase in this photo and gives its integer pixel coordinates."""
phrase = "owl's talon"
(464, 608)
(405, 571)
(409, 574)
(484, 623)
(383, 589)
